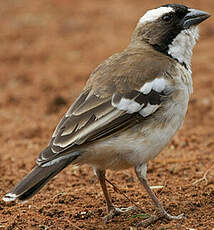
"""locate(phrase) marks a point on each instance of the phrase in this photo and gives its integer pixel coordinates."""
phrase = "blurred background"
(48, 48)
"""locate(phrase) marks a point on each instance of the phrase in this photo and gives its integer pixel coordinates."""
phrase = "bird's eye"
(167, 17)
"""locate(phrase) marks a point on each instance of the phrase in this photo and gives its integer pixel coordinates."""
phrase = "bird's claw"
(117, 211)
(160, 214)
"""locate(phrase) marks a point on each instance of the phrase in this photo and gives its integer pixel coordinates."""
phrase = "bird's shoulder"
(128, 70)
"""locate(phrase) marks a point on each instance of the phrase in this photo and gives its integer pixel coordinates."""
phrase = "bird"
(130, 108)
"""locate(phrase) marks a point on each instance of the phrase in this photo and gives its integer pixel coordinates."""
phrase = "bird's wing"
(92, 117)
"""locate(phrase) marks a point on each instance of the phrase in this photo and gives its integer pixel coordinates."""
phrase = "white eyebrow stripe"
(154, 14)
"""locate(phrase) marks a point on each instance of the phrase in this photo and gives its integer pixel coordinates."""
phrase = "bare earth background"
(47, 50)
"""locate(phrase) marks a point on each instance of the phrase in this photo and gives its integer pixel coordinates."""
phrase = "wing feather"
(92, 117)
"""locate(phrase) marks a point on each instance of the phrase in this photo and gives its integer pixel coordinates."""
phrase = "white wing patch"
(148, 105)
(149, 109)
(154, 14)
(157, 85)
(146, 88)
(130, 106)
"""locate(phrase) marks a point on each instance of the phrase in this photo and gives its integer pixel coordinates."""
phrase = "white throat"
(182, 46)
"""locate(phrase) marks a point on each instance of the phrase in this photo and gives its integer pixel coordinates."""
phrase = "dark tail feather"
(36, 179)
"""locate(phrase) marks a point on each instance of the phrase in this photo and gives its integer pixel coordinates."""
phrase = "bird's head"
(171, 29)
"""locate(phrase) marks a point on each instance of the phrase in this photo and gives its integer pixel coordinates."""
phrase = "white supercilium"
(154, 14)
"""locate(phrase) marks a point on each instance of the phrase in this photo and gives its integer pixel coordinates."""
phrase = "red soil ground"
(47, 50)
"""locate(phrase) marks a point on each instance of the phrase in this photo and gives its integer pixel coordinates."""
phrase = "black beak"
(194, 17)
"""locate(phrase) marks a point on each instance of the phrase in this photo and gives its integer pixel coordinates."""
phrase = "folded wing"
(92, 117)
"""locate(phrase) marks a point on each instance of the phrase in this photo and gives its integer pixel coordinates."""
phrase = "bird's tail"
(36, 179)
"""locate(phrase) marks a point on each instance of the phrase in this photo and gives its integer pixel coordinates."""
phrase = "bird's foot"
(113, 211)
(160, 214)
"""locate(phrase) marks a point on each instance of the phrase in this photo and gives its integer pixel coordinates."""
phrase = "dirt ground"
(47, 50)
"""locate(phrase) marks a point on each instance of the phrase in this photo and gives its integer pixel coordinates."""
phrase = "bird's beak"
(194, 17)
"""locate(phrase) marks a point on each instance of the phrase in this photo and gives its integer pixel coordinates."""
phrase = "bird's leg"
(161, 212)
(112, 211)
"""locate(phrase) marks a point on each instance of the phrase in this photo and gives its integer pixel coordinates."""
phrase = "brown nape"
(156, 34)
